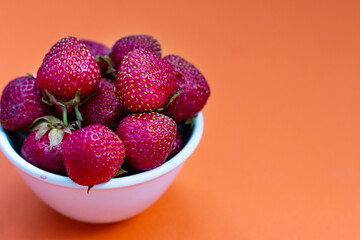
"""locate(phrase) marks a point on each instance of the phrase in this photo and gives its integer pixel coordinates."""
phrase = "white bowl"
(116, 200)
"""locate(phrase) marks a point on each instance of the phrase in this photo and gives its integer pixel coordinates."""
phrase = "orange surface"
(280, 155)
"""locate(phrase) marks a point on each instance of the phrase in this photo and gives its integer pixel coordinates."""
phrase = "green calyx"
(110, 71)
(190, 121)
(54, 126)
(30, 75)
(51, 100)
(120, 172)
(169, 101)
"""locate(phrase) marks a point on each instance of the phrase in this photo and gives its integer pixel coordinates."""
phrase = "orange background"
(280, 155)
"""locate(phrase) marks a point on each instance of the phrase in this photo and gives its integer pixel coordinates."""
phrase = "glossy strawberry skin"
(104, 108)
(195, 90)
(93, 155)
(67, 67)
(177, 145)
(144, 81)
(38, 153)
(148, 138)
(126, 44)
(97, 49)
(21, 104)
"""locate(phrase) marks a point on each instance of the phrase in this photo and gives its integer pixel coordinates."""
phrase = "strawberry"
(130, 43)
(43, 146)
(194, 90)
(93, 155)
(68, 67)
(148, 138)
(99, 51)
(177, 145)
(37, 151)
(96, 48)
(21, 104)
(144, 81)
(104, 108)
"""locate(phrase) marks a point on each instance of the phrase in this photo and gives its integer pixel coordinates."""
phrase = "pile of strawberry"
(91, 110)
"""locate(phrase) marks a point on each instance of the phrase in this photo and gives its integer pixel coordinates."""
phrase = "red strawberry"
(148, 138)
(195, 90)
(98, 50)
(67, 67)
(21, 104)
(93, 155)
(177, 145)
(144, 81)
(104, 108)
(37, 151)
(43, 147)
(126, 44)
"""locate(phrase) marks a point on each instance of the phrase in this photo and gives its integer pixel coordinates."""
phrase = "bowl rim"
(121, 182)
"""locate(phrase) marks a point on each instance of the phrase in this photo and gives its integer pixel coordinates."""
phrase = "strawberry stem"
(75, 103)
(64, 113)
